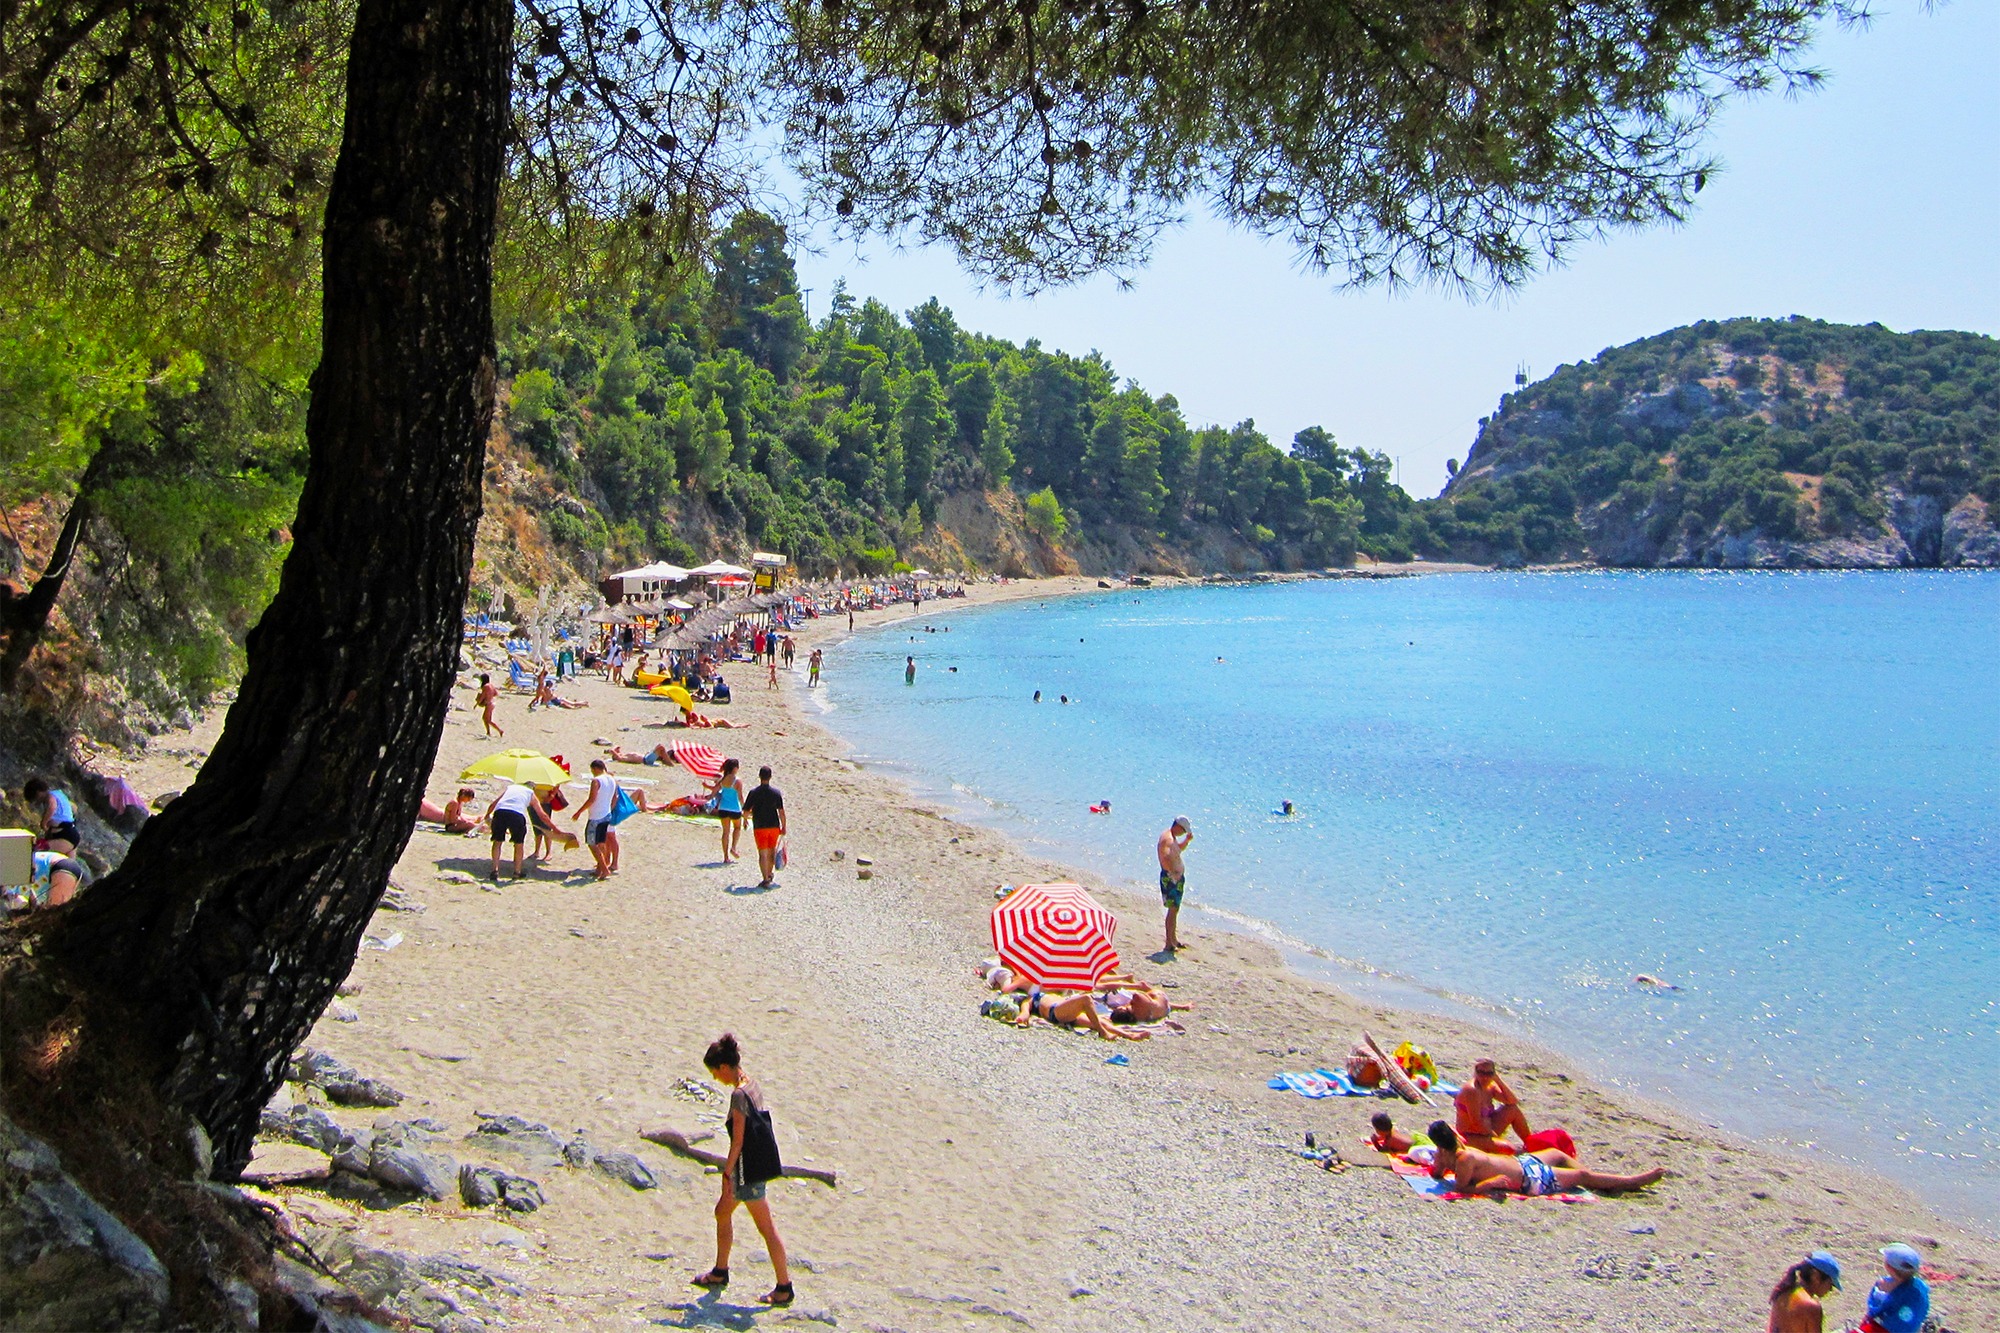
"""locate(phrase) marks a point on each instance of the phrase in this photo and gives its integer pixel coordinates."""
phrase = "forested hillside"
(713, 411)
(149, 487)
(1741, 443)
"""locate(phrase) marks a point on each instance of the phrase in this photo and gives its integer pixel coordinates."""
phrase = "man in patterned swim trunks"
(1173, 875)
(1544, 1171)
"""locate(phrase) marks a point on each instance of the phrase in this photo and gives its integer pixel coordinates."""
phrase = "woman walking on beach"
(488, 694)
(728, 793)
(753, 1160)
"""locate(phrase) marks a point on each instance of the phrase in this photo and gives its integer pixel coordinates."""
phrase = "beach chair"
(518, 678)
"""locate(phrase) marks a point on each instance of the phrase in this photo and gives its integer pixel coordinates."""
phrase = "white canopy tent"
(648, 582)
(718, 569)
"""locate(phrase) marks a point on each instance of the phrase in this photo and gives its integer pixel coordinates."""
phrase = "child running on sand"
(488, 694)
(753, 1160)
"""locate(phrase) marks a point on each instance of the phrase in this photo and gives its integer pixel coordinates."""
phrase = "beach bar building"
(773, 570)
(647, 583)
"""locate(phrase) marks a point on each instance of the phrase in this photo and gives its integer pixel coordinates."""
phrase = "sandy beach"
(990, 1177)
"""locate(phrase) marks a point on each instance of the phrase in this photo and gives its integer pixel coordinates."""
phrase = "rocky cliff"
(1743, 444)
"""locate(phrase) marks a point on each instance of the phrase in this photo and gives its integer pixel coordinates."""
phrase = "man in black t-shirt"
(766, 807)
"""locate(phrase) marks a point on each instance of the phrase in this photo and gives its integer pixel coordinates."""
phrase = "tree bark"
(212, 950)
(24, 619)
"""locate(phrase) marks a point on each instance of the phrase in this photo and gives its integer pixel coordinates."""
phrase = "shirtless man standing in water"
(1173, 876)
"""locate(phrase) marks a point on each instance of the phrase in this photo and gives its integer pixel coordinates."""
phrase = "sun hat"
(1903, 1258)
(1826, 1264)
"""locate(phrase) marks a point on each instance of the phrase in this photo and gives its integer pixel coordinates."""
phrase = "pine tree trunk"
(25, 619)
(214, 947)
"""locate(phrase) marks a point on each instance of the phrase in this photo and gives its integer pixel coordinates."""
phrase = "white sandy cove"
(995, 1178)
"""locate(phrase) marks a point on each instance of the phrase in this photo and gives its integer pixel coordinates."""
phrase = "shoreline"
(1361, 982)
(992, 1177)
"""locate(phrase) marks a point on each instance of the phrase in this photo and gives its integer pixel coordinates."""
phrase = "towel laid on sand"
(1418, 1178)
(1318, 1083)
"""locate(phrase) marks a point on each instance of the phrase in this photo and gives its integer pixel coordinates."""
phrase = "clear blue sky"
(1875, 199)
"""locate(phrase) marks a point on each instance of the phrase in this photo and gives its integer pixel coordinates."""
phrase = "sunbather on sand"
(690, 718)
(1487, 1108)
(1072, 1011)
(998, 976)
(1544, 1171)
(453, 814)
(1136, 1001)
(1387, 1138)
(659, 754)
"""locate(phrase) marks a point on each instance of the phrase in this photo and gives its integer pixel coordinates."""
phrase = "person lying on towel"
(1543, 1171)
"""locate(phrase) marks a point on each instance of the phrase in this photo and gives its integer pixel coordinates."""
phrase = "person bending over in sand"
(1795, 1301)
(508, 816)
(1544, 1171)
(1078, 1011)
(1172, 846)
(1487, 1108)
(745, 1172)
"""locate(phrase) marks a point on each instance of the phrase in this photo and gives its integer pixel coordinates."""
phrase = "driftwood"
(668, 1137)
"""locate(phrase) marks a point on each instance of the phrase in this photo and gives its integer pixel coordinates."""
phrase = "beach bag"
(759, 1159)
(623, 807)
(780, 858)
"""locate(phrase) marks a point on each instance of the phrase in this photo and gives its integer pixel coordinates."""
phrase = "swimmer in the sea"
(1658, 983)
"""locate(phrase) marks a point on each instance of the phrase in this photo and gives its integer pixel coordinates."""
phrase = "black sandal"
(779, 1296)
(714, 1279)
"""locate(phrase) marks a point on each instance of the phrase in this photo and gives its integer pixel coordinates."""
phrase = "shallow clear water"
(1515, 792)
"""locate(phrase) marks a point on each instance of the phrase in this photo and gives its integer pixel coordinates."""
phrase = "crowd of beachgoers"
(1052, 963)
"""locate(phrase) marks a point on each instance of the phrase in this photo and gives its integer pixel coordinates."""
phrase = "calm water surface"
(1515, 792)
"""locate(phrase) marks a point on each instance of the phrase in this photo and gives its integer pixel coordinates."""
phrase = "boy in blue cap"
(1795, 1301)
(1900, 1300)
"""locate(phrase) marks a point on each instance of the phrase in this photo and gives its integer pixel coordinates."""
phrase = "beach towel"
(1418, 1178)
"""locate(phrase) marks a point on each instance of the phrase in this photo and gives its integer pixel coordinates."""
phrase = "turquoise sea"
(1514, 792)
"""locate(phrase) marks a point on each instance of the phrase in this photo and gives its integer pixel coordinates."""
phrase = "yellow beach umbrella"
(676, 693)
(517, 766)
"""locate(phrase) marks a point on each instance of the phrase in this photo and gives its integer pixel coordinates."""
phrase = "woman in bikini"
(1079, 1011)
(727, 789)
(488, 694)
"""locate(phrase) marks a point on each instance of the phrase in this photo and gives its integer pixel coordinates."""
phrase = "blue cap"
(1903, 1257)
(1826, 1264)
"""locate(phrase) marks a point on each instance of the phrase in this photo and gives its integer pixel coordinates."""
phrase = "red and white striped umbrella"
(1055, 935)
(701, 760)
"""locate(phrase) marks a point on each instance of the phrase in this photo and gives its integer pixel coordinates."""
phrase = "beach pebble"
(401, 1157)
(286, 1164)
(529, 1140)
(1643, 1229)
(343, 1013)
(627, 1167)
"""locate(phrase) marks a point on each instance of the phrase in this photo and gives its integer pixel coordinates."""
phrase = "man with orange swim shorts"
(765, 805)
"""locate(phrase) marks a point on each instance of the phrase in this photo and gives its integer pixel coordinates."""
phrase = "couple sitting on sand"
(1115, 1003)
